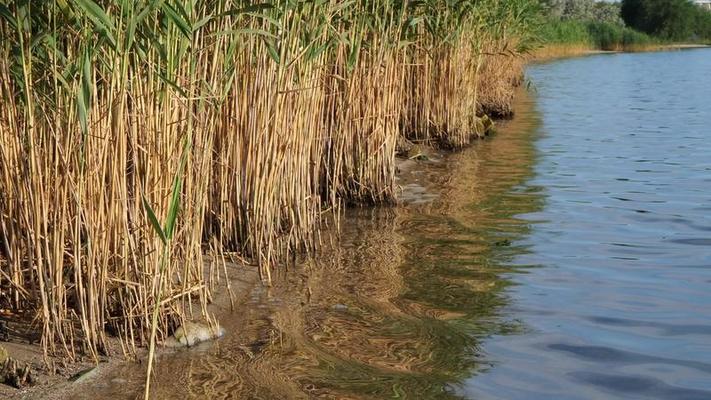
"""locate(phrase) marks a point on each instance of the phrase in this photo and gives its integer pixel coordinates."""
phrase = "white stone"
(192, 333)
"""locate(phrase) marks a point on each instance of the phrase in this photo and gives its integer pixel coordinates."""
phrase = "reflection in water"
(397, 309)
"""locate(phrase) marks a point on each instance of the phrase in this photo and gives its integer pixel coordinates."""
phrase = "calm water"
(568, 257)
(618, 304)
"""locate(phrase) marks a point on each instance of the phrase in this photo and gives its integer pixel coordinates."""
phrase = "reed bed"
(552, 51)
(143, 141)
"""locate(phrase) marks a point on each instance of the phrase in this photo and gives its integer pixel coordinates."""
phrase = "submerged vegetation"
(144, 144)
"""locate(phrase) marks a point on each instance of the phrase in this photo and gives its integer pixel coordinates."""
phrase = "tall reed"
(267, 115)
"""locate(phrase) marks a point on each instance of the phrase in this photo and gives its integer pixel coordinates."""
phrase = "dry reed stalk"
(134, 137)
(499, 75)
(555, 51)
(363, 129)
(443, 95)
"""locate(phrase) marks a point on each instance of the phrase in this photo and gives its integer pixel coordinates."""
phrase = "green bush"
(565, 32)
(677, 20)
(631, 38)
(614, 37)
(605, 36)
(599, 35)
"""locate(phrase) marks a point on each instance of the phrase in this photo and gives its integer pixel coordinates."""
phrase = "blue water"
(617, 298)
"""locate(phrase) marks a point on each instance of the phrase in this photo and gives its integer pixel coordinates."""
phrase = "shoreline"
(69, 377)
(245, 281)
(415, 189)
(234, 136)
(560, 52)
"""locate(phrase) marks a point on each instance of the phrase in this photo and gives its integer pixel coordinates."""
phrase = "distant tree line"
(668, 19)
(584, 10)
(675, 20)
(590, 23)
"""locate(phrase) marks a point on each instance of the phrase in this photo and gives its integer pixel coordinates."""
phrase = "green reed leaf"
(7, 16)
(154, 220)
(174, 207)
(272, 50)
(97, 15)
(179, 20)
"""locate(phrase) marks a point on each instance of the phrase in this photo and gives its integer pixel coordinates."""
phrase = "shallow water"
(567, 257)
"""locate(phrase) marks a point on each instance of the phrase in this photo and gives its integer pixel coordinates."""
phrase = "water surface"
(619, 302)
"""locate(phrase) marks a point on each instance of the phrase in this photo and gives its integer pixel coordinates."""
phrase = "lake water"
(617, 303)
(567, 257)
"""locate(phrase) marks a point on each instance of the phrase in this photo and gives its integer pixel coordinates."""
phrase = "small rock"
(84, 375)
(488, 125)
(479, 127)
(192, 333)
(417, 153)
(340, 307)
(484, 126)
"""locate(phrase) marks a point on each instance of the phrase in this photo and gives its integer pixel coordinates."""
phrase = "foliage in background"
(589, 23)
(607, 36)
(585, 10)
(608, 12)
(594, 35)
(677, 20)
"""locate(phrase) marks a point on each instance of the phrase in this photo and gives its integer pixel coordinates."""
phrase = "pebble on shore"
(192, 333)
